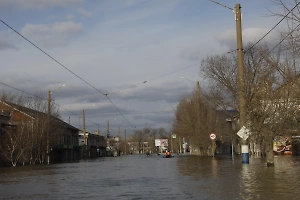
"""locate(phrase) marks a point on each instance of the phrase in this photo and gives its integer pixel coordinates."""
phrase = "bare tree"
(34, 127)
(195, 120)
(265, 73)
(13, 144)
(10, 97)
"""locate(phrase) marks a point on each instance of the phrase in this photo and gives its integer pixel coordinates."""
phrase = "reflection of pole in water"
(229, 121)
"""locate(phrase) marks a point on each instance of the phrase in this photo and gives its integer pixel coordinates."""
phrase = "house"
(96, 144)
(4, 124)
(32, 137)
(226, 139)
(287, 103)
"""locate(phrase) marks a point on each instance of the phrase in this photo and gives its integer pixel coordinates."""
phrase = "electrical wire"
(66, 69)
(153, 78)
(280, 70)
(272, 28)
(221, 5)
(44, 100)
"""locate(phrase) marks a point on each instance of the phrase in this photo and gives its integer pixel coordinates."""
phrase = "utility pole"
(241, 82)
(171, 138)
(118, 141)
(184, 147)
(108, 128)
(84, 135)
(48, 129)
(107, 135)
(49, 124)
(180, 151)
(125, 143)
(241, 78)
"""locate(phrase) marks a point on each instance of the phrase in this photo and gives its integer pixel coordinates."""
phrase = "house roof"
(34, 113)
(227, 113)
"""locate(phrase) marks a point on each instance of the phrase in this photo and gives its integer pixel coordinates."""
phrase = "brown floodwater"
(154, 177)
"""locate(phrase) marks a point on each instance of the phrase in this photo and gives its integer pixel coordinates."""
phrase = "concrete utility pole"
(107, 128)
(107, 135)
(84, 135)
(241, 82)
(84, 132)
(48, 129)
(125, 144)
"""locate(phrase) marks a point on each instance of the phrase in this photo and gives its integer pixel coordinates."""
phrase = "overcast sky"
(113, 46)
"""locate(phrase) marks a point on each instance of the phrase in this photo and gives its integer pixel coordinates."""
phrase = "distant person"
(168, 154)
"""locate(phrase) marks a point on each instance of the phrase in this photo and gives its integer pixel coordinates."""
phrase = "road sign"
(243, 133)
(212, 136)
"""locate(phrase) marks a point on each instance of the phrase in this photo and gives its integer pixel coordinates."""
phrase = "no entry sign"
(212, 136)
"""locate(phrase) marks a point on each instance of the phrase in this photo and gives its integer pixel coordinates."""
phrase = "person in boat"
(168, 153)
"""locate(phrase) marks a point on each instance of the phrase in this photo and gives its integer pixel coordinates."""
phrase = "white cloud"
(4, 44)
(250, 35)
(254, 34)
(56, 34)
(37, 4)
(126, 15)
(84, 12)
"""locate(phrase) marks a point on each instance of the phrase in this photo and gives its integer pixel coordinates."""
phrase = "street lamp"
(187, 79)
(57, 88)
(49, 114)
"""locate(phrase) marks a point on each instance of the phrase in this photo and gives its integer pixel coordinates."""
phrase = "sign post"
(244, 133)
(213, 137)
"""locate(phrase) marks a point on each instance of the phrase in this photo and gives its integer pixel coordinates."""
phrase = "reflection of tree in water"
(217, 177)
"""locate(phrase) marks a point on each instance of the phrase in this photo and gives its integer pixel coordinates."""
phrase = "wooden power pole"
(241, 82)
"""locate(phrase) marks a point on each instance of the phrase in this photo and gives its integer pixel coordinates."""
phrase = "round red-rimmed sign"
(212, 136)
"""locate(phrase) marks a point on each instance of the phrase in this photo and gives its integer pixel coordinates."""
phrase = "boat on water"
(168, 155)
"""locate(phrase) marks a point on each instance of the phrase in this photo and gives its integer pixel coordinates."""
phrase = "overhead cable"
(65, 67)
(272, 28)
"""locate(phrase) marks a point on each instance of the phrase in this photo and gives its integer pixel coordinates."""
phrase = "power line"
(50, 56)
(280, 70)
(222, 5)
(65, 68)
(44, 100)
(120, 112)
(137, 113)
(272, 28)
(146, 81)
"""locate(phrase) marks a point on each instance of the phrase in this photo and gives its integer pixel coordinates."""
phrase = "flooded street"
(154, 177)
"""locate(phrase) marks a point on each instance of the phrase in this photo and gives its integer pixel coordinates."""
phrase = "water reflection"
(154, 177)
(222, 178)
